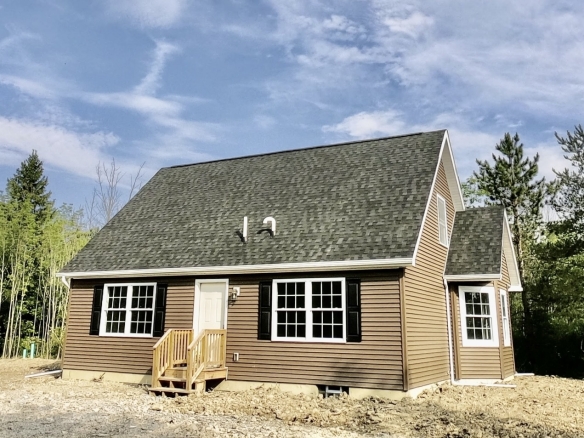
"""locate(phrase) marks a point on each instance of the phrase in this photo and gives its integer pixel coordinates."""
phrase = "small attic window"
(442, 221)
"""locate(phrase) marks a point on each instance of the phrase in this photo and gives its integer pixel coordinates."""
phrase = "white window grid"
(442, 221)
(310, 312)
(478, 317)
(505, 318)
(128, 308)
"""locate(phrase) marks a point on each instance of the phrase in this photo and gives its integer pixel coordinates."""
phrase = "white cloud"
(58, 147)
(413, 25)
(14, 39)
(551, 157)
(151, 81)
(369, 124)
(264, 122)
(181, 130)
(163, 114)
(469, 143)
(166, 112)
(524, 57)
(148, 13)
(143, 104)
(28, 86)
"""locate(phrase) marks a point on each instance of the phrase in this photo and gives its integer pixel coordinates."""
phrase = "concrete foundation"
(357, 393)
(136, 379)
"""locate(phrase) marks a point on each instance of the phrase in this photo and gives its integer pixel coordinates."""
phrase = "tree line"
(548, 315)
(36, 240)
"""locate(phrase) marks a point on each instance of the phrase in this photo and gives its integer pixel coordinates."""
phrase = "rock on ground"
(537, 407)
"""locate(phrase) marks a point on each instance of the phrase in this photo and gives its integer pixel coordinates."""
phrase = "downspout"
(65, 282)
(449, 316)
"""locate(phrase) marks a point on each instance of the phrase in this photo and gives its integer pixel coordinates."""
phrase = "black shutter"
(265, 311)
(96, 309)
(160, 310)
(353, 310)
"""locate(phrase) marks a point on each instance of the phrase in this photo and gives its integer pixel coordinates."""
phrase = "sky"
(155, 83)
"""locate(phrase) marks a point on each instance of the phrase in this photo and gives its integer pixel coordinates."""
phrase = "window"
(128, 309)
(442, 222)
(505, 318)
(309, 310)
(478, 317)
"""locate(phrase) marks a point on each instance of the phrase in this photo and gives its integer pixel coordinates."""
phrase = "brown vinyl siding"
(375, 362)
(120, 354)
(508, 358)
(425, 301)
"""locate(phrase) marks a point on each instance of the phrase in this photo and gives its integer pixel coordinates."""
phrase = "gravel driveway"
(537, 407)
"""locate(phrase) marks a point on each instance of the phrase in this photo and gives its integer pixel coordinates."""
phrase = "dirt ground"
(48, 407)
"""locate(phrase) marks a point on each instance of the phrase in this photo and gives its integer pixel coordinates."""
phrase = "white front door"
(210, 304)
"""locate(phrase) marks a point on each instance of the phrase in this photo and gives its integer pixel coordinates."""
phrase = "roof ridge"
(346, 143)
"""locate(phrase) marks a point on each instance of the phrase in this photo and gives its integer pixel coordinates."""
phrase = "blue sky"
(166, 82)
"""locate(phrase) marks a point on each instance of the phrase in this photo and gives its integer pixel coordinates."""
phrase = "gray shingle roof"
(355, 201)
(476, 242)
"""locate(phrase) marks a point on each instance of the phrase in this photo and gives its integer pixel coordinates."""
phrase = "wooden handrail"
(164, 336)
(197, 340)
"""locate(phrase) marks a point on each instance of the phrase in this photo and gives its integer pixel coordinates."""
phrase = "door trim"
(198, 301)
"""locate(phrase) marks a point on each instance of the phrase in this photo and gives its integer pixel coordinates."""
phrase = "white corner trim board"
(510, 257)
(349, 265)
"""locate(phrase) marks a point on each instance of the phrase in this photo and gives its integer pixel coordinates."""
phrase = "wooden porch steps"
(183, 365)
(172, 379)
(167, 391)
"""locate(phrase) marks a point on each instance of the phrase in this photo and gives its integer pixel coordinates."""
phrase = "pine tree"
(569, 185)
(511, 181)
(30, 183)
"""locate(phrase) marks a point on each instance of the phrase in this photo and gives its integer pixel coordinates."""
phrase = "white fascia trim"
(452, 176)
(510, 257)
(457, 198)
(473, 277)
(515, 289)
(348, 265)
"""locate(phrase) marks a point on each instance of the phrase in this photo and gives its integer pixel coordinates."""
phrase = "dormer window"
(442, 221)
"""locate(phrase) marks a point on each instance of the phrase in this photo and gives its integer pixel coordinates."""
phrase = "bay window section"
(311, 310)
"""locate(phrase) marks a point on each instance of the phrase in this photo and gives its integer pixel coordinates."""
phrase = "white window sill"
(123, 335)
(310, 341)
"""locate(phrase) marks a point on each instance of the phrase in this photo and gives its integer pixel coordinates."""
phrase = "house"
(347, 267)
